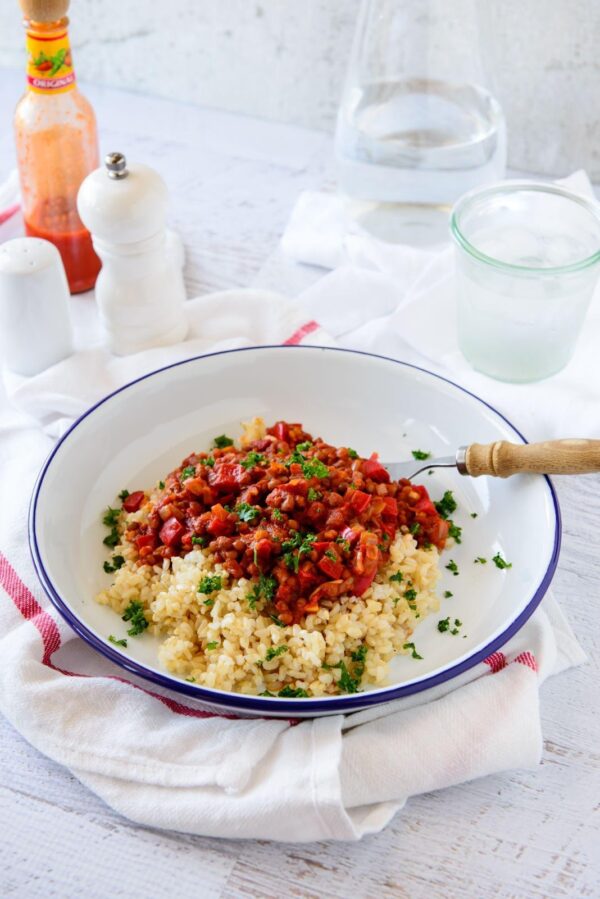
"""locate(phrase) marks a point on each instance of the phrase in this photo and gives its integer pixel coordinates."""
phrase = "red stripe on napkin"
(301, 333)
(497, 661)
(527, 658)
(30, 609)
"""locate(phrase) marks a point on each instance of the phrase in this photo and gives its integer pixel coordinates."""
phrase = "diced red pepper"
(360, 500)
(372, 468)
(145, 540)
(307, 576)
(218, 527)
(171, 532)
(281, 431)
(361, 583)
(330, 568)
(423, 504)
(226, 476)
(132, 502)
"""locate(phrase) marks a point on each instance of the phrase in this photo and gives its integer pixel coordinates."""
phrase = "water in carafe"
(418, 140)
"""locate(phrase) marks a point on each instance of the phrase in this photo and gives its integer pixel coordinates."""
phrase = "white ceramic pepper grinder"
(140, 290)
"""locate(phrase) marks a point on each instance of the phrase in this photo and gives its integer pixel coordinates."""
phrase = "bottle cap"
(44, 10)
(120, 203)
(35, 324)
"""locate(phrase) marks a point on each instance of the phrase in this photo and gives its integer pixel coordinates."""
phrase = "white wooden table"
(233, 181)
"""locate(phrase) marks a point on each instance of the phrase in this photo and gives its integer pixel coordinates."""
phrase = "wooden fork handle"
(503, 459)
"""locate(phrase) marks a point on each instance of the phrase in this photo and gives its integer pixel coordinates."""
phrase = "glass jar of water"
(418, 125)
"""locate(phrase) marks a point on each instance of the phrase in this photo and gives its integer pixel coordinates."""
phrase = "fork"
(503, 459)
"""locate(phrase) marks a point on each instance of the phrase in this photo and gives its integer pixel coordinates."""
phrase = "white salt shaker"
(140, 290)
(35, 323)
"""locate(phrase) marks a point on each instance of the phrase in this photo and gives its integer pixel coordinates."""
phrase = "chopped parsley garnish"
(453, 567)
(349, 682)
(297, 541)
(329, 554)
(123, 495)
(314, 468)
(113, 538)
(247, 512)
(420, 455)
(410, 595)
(276, 514)
(266, 693)
(473, 514)
(161, 485)
(397, 577)
(446, 505)
(111, 517)
(134, 613)
(352, 453)
(480, 560)
(343, 543)
(313, 494)
(209, 584)
(274, 651)
(455, 531)
(199, 541)
(414, 653)
(222, 441)
(212, 645)
(116, 642)
(499, 562)
(267, 586)
(276, 620)
(252, 459)
(253, 597)
(209, 602)
(208, 461)
(191, 680)
(444, 625)
(117, 562)
(448, 594)
(415, 528)
(290, 693)
(188, 472)
(302, 447)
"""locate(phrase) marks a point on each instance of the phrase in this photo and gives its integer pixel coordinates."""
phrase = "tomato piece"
(132, 502)
(360, 500)
(145, 540)
(264, 548)
(372, 468)
(321, 546)
(218, 527)
(171, 532)
(226, 476)
(330, 568)
(390, 508)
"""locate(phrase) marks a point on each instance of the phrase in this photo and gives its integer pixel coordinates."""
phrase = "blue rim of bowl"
(275, 705)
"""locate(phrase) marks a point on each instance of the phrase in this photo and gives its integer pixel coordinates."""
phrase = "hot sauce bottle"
(57, 144)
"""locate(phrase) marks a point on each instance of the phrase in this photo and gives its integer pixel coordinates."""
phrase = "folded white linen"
(165, 764)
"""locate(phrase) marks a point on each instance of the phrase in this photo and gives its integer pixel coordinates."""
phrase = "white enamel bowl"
(134, 436)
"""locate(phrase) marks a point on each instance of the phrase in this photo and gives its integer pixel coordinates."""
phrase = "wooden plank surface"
(526, 834)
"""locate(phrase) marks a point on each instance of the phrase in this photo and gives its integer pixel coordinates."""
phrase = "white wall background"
(285, 60)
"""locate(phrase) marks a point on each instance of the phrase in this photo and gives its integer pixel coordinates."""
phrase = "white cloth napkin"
(163, 763)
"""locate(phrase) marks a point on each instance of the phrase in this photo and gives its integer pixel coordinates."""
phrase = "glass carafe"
(418, 125)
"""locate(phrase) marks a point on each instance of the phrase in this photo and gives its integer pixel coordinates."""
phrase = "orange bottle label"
(49, 64)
